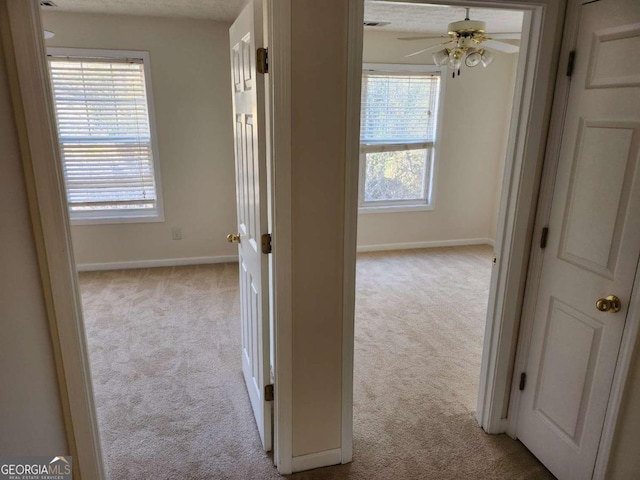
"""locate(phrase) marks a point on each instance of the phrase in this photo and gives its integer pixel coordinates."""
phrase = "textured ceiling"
(222, 10)
(403, 17)
(419, 18)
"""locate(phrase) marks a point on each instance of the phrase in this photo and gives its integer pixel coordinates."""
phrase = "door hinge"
(570, 62)
(523, 380)
(543, 237)
(262, 60)
(268, 392)
(266, 243)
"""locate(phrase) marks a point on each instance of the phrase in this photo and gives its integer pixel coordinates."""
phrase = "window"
(106, 135)
(398, 137)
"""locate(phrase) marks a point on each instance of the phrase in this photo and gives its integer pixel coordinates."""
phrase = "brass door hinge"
(268, 392)
(266, 243)
(262, 60)
(543, 237)
(570, 62)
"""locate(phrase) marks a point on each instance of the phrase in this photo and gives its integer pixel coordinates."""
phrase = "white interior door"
(593, 246)
(251, 189)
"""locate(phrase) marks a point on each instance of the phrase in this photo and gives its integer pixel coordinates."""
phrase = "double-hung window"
(105, 130)
(398, 137)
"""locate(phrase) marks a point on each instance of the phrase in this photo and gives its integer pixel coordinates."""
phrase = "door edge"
(278, 113)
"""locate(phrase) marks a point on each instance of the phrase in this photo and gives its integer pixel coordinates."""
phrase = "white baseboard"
(433, 244)
(316, 460)
(166, 262)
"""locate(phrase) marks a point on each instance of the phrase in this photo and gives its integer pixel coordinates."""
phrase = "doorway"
(158, 284)
(432, 156)
(513, 239)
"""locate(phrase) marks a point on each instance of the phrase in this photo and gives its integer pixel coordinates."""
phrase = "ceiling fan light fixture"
(455, 58)
(466, 39)
(473, 58)
(487, 57)
(454, 63)
(441, 58)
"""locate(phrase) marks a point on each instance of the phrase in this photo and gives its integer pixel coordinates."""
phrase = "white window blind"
(398, 108)
(104, 133)
(397, 138)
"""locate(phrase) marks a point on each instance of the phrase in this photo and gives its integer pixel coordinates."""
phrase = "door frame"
(632, 323)
(537, 66)
(277, 16)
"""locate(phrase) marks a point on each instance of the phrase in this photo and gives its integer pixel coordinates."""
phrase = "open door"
(593, 247)
(251, 190)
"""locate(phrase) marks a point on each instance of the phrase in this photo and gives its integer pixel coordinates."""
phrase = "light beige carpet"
(165, 355)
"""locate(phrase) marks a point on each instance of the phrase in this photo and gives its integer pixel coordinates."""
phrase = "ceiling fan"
(467, 42)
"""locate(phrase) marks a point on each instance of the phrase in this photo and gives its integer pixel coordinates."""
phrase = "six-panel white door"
(593, 246)
(251, 189)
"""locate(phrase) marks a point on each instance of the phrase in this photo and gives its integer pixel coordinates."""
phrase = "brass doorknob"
(233, 237)
(610, 303)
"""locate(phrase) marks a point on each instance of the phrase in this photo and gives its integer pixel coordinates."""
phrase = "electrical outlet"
(176, 233)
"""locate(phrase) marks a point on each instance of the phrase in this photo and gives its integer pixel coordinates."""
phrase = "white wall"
(318, 146)
(191, 91)
(30, 410)
(472, 146)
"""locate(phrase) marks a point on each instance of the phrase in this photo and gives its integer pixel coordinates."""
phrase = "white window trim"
(133, 216)
(398, 206)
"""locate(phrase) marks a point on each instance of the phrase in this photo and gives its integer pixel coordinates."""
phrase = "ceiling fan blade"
(433, 47)
(505, 36)
(423, 37)
(501, 46)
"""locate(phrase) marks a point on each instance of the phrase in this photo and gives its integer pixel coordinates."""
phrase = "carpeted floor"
(165, 356)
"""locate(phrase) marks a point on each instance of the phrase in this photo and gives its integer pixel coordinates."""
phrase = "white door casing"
(593, 247)
(248, 92)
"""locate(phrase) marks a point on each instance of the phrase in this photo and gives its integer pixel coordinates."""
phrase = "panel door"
(593, 246)
(251, 189)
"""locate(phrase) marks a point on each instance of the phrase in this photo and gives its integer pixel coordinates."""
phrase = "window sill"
(113, 220)
(394, 209)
